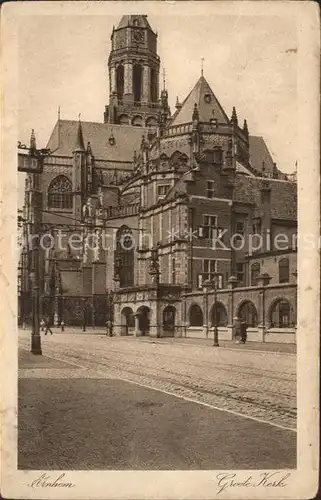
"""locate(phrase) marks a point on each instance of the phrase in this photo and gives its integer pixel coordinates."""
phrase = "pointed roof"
(207, 104)
(134, 20)
(79, 144)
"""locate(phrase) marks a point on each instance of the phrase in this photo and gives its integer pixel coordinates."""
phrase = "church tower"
(133, 67)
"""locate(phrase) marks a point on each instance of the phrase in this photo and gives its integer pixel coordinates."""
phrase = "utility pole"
(31, 162)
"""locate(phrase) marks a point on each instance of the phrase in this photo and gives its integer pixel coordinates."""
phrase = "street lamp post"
(212, 284)
(215, 339)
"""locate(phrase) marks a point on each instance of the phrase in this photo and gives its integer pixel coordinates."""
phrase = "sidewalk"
(249, 346)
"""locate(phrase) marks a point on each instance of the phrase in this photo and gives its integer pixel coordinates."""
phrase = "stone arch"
(280, 314)
(218, 314)
(247, 312)
(124, 119)
(137, 121)
(127, 321)
(195, 315)
(60, 193)
(151, 121)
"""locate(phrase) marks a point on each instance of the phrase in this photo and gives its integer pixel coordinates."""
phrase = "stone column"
(112, 77)
(146, 79)
(128, 78)
(137, 331)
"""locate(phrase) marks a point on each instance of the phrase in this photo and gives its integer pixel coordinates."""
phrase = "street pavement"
(240, 403)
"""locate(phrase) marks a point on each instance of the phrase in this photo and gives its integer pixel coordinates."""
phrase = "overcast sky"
(250, 62)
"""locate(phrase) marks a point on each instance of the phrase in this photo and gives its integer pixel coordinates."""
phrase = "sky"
(249, 61)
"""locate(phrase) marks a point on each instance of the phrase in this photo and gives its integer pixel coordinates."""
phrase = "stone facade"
(172, 208)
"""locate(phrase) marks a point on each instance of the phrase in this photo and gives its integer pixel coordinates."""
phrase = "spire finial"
(33, 146)
(79, 116)
(164, 79)
(58, 113)
(202, 66)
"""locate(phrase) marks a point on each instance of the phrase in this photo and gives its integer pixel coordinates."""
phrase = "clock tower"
(133, 67)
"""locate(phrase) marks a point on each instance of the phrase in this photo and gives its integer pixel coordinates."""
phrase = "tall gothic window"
(60, 193)
(137, 82)
(284, 271)
(255, 271)
(120, 81)
(124, 257)
(153, 85)
(280, 314)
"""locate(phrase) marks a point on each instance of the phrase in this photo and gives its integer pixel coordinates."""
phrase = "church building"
(165, 222)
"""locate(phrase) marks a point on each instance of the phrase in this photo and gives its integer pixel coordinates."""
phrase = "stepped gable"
(283, 195)
(100, 135)
(207, 104)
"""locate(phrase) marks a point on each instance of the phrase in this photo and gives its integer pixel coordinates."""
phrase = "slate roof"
(205, 109)
(259, 153)
(283, 195)
(127, 139)
(129, 21)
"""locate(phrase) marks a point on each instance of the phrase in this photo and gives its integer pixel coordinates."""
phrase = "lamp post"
(207, 285)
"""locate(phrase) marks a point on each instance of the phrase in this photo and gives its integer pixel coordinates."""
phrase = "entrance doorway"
(143, 314)
(169, 320)
(127, 321)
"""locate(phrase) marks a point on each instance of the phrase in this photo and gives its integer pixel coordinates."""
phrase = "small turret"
(178, 104)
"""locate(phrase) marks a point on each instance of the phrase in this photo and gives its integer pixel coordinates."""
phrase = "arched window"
(284, 271)
(255, 271)
(248, 313)
(218, 315)
(195, 315)
(60, 193)
(137, 121)
(120, 81)
(124, 257)
(137, 82)
(280, 314)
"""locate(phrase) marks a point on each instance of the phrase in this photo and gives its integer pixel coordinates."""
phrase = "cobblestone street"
(255, 384)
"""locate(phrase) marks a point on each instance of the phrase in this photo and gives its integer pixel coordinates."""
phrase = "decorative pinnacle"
(195, 113)
(202, 66)
(164, 79)
(234, 116)
(245, 128)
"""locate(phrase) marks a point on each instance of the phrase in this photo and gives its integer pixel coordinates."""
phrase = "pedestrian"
(243, 332)
(236, 330)
(62, 326)
(48, 327)
(42, 325)
(109, 328)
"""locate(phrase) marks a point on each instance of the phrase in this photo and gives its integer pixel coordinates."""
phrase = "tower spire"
(202, 66)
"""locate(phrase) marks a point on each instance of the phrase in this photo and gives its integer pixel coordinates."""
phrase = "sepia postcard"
(160, 238)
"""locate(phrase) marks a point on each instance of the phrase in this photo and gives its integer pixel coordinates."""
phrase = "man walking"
(48, 325)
